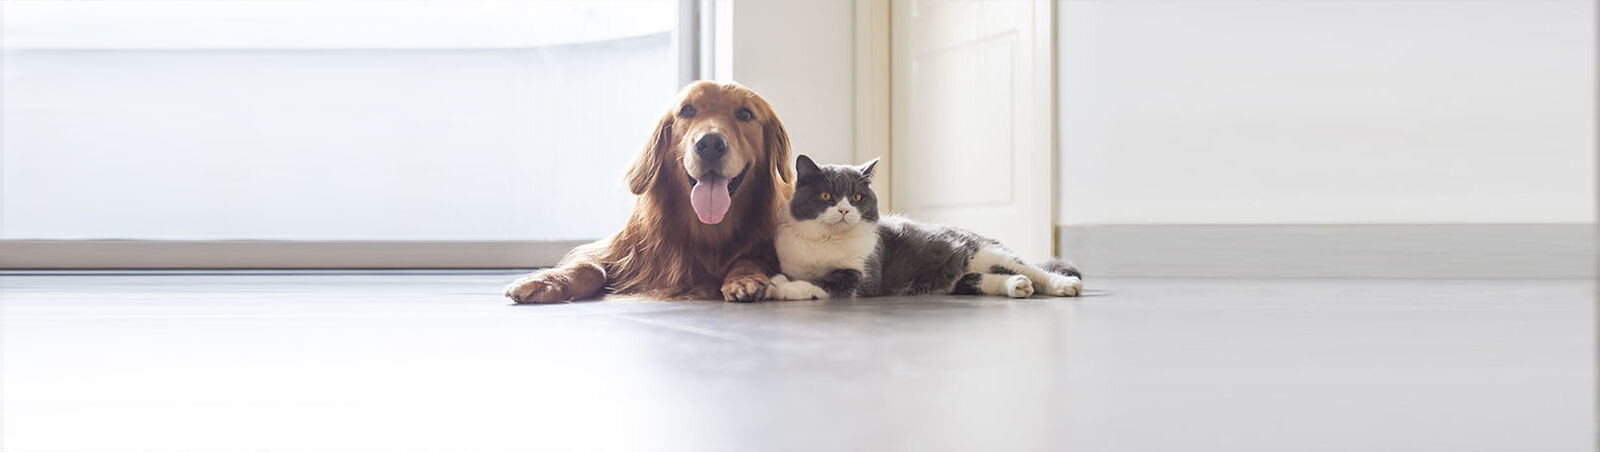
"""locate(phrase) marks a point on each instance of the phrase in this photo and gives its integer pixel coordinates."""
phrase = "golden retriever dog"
(709, 183)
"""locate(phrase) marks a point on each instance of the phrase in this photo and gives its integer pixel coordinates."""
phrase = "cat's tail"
(1061, 267)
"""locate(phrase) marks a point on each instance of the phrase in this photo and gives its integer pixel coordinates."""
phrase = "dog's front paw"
(745, 288)
(537, 288)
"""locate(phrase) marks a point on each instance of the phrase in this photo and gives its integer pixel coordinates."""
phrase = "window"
(323, 120)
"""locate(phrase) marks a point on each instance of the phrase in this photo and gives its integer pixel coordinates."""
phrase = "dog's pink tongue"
(710, 199)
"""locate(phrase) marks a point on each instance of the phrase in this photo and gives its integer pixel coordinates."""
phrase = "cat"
(832, 244)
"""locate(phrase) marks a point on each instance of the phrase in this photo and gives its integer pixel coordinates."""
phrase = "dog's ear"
(777, 141)
(647, 165)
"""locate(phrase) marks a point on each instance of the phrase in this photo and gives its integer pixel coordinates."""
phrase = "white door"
(973, 118)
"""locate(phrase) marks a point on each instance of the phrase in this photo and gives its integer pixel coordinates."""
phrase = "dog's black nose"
(711, 146)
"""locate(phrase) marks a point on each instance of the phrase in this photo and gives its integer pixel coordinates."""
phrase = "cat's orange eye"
(855, 198)
(827, 196)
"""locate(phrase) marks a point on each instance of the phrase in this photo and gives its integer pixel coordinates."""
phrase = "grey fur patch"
(840, 283)
(998, 270)
(969, 284)
(1060, 267)
(916, 258)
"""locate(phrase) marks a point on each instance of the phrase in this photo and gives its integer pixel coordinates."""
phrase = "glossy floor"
(430, 362)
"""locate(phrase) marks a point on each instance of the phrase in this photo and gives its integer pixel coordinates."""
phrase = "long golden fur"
(665, 251)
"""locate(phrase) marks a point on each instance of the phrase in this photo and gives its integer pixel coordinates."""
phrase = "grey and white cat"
(832, 243)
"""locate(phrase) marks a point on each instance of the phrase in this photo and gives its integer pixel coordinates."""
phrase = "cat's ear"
(866, 168)
(803, 166)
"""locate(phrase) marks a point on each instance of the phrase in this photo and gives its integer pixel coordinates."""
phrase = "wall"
(1310, 112)
(799, 56)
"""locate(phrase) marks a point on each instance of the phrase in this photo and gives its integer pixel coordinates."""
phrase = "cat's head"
(838, 196)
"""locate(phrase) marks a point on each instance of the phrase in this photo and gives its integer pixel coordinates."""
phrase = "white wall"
(1213, 111)
(799, 55)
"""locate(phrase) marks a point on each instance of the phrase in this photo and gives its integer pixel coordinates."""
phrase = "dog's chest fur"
(807, 250)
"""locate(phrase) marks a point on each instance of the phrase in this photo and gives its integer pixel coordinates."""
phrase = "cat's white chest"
(805, 252)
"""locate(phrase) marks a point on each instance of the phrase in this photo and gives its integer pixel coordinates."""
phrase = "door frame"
(873, 92)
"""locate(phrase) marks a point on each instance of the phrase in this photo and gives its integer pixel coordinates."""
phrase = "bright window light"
(327, 120)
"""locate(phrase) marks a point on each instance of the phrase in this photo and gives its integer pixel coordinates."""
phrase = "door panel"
(973, 118)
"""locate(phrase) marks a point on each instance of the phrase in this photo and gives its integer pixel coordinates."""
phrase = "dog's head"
(710, 146)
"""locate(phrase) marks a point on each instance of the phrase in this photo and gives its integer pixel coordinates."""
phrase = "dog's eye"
(744, 114)
(855, 198)
(827, 196)
(687, 111)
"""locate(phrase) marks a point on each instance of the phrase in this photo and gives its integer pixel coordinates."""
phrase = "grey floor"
(436, 362)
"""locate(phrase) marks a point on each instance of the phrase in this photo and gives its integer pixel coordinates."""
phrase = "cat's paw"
(1019, 286)
(784, 289)
(795, 290)
(1062, 286)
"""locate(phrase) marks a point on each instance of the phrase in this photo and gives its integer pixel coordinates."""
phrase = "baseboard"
(1273, 251)
(251, 254)
(1334, 251)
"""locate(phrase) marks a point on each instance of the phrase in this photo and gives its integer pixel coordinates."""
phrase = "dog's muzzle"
(711, 195)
